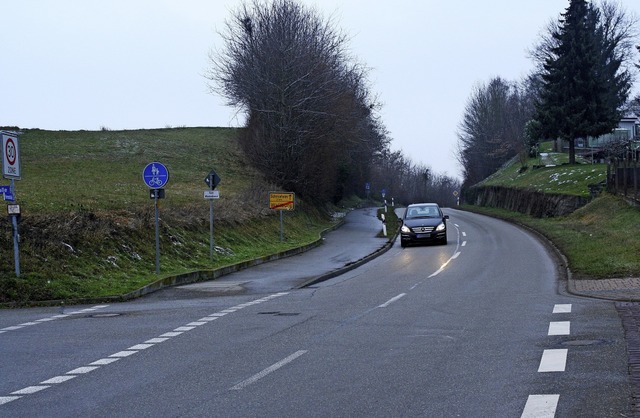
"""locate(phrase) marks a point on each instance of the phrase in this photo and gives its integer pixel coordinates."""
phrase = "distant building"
(595, 148)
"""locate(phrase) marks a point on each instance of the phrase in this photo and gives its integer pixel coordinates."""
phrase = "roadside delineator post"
(384, 225)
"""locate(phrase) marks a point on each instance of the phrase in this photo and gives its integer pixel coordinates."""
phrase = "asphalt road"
(476, 328)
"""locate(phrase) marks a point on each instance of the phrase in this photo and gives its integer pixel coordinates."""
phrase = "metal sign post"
(211, 239)
(156, 195)
(11, 170)
(155, 175)
(157, 233)
(212, 181)
(14, 214)
(282, 201)
(281, 225)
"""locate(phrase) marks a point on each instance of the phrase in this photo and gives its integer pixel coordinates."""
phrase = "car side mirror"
(446, 217)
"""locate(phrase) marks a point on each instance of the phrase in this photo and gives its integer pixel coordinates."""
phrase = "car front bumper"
(411, 237)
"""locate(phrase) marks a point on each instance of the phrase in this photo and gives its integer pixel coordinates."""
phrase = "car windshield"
(422, 212)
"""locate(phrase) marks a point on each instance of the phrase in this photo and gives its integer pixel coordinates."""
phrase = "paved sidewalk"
(355, 243)
(616, 289)
(347, 247)
(613, 289)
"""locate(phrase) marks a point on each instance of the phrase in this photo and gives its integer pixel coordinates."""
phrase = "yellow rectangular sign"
(282, 201)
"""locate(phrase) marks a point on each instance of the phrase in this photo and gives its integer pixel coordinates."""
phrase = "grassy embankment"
(600, 240)
(87, 226)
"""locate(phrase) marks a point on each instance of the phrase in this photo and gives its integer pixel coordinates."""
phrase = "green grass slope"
(88, 229)
(549, 173)
(601, 240)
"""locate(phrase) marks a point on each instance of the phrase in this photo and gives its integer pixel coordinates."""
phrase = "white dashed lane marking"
(393, 299)
(134, 349)
(541, 406)
(441, 269)
(553, 360)
(104, 361)
(51, 318)
(544, 406)
(29, 390)
(7, 399)
(559, 328)
(58, 379)
(268, 370)
(122, 354)
(83, 370)
(562, 308)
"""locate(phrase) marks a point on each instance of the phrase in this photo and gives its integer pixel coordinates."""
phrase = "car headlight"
(405, 229)
(441, 227)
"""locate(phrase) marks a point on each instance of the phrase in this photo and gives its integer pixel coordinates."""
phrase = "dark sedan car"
(423, 222)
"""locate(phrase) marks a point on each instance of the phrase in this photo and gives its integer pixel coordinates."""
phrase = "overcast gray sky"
(133, 64)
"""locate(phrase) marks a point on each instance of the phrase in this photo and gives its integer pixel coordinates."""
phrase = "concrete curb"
(350, 266)
(182, 279)
(609, 289)
(618, 290)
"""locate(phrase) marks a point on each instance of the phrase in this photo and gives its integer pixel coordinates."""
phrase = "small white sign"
(13, 209)
(211, 194)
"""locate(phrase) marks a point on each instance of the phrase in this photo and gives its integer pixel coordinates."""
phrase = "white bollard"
(384, 225)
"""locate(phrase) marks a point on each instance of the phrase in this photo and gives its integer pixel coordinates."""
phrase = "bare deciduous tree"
(408, 183)
(493, 128)
(311, 126)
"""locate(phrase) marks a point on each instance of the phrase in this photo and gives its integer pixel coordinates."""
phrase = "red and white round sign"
(10, 156)
(10, 151)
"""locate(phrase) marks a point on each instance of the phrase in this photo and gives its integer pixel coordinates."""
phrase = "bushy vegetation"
(313, 124)
(584, 82)
(493, 128)
(88, 226)
(599, 240)
(578, 88)
(311, 119)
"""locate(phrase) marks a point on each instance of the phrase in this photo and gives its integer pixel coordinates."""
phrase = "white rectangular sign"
(10, 156)
(211, 194)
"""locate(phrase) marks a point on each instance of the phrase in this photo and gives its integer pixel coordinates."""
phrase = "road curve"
(475, 328)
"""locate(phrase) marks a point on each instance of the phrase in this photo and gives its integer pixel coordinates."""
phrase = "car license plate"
(423, 236)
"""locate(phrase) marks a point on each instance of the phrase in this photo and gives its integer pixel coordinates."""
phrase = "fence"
(623, 177)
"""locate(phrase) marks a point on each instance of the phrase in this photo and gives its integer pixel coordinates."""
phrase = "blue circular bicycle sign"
(155, 175)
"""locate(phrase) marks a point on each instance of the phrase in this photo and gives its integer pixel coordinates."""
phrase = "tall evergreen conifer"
(583, 84)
